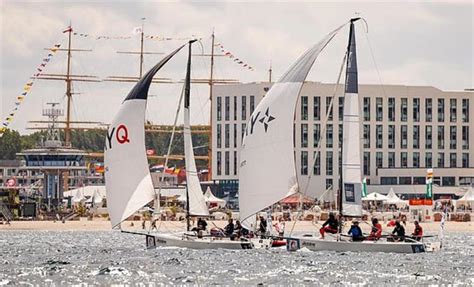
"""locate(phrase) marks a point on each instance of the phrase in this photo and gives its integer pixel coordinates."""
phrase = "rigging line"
(322, 131)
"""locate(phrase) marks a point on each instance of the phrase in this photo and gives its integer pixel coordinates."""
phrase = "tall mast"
(68, 91)
(211, 83)
(270, 73)
(350, 90)
(141, 48)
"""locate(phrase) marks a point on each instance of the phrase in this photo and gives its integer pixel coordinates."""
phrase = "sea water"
(104, 258)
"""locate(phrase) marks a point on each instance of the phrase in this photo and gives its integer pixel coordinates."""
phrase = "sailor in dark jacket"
(399, 230)
(355, 231)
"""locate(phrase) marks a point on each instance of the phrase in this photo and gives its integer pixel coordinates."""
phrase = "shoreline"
(172, 226)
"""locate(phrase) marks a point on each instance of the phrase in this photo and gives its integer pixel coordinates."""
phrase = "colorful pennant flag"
(229, 54)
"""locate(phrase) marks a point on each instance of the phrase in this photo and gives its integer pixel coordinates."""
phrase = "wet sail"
(267, 170)
(351, 157)
(197, 204)
(127, 176)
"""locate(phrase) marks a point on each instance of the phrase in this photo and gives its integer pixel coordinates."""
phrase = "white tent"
(87, 191)
(95, 199)
(467, 200)
(392, 198)
(375, 196)
(211, 198)
(77, 195)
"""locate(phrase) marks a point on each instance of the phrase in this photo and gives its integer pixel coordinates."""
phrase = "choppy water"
(67, 258)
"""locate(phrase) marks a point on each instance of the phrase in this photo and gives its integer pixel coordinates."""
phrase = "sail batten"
(267, 170)
(127, 177)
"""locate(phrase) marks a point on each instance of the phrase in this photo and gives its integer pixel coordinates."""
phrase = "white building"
(405, 130)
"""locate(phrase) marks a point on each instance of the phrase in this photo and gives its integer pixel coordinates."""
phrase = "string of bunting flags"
(135, 31)
(237, 60)
(27, 88)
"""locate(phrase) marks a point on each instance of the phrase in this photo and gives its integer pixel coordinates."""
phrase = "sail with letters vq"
(197, 203)
(127, 176)
(267, 171)
(351, 160)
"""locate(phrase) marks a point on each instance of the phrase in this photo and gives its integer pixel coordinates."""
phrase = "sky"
(412, 43)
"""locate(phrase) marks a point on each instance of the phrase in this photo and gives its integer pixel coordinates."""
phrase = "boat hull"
(315, 244)
(184, 241)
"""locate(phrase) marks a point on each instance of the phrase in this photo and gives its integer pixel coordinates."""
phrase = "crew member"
(263, 226)
(399, 230)
(229, 228)
(355, 231)
(329, 226)
(376, 231)
(418, 232)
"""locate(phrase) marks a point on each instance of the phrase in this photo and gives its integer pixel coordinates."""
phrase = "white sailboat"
(128, 181)
(269, 144)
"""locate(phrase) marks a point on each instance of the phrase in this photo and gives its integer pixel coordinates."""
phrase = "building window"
(244, 125)
(428, 110)
(416, 159)
(329, 136)
(316, 134)
(391, 159)
(452, 160)
(235, 163)
(440, 137)
(317, 164)
(244, 108)
(465, 110)
(406, 180)
(466, 180)
(317, 108)
(329, 163)
(304, 108)
(428, 137)
(366, 109)
(404, 110)
(328, 105)
(227, 109)
(235, 108)
(219, 163)
(440, 110)
(379, 109)
(429, 159)
(465, 160)
(388, 180)
(304, 135)
(366, 163)
(329, 183)
(339, 135)
(219, 136)
(304, 163)
(403, 136)
(227, 135)
(403, 159)
(452, 137)
(341, 108)
(465, 137)
(379, 134)
(416, 109)
(252, 104)
(391, 109)
(419, 180)
(219, 108)
(235, 135)
(452, 110)
(416, 136)
(441, 159)
(227, 163)
(391, 136)
(366, 136)
(448, 180)
(379, 159)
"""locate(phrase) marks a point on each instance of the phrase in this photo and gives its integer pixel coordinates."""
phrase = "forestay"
(267, 171)
(197, 204)
(127, 176)
(351, 161)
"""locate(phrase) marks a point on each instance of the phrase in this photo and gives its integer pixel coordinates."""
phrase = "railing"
(5, 211)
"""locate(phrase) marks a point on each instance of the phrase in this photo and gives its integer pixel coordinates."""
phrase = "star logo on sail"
(266, 119)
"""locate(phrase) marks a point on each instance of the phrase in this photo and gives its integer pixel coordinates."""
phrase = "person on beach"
(355, 231)
(153, 224)
(376, 231)
(418, 232)
(399, 230)
(329, 226)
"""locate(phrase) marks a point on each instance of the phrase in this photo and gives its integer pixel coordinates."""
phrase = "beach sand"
(170, 226)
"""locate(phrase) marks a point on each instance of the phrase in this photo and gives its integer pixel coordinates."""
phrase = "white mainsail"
(267, 171)
(127, 176)
(351, 157)
(197, 204)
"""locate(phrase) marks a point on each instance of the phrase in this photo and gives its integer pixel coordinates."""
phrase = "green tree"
(10, 144)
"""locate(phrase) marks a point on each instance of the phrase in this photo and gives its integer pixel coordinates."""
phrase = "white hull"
(192, 242)
(315, 244)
